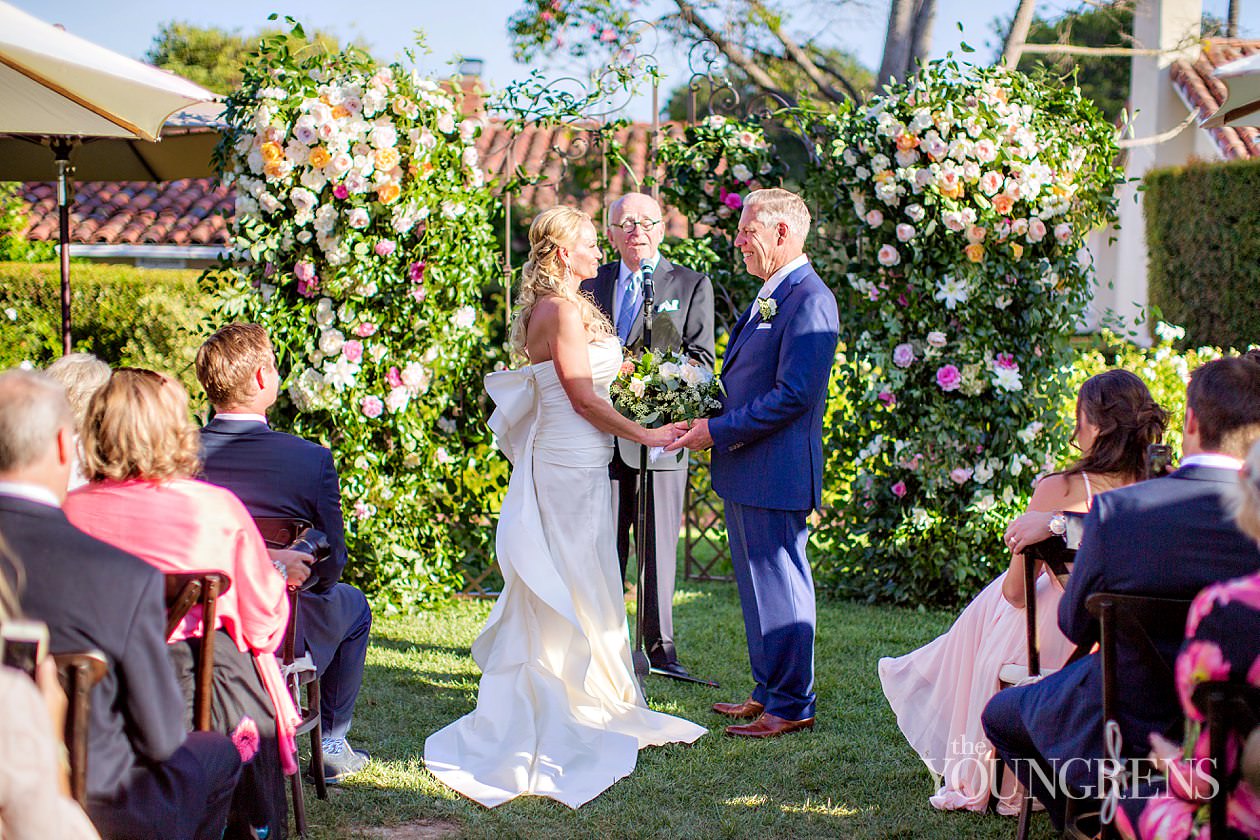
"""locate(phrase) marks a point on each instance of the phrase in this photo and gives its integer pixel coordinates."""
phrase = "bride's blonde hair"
(545, 275)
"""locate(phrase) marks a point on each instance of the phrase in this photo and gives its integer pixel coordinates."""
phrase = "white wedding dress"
(559, 712)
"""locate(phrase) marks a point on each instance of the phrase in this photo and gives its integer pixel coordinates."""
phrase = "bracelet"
(281, 568)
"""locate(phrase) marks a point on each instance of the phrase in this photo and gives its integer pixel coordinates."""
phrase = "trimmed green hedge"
(1203, 234)
(125, 315)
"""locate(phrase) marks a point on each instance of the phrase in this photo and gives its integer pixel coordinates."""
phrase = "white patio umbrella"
(61, 91)
(1242, 105)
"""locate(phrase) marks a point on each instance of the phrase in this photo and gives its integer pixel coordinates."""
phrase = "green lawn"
(852, 777)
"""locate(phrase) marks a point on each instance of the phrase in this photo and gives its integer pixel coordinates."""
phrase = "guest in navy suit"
(279, 475)
(1168, 537)
(147, 777)
(767, 457)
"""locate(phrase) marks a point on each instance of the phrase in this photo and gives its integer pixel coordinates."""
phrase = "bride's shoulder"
(1057, 490)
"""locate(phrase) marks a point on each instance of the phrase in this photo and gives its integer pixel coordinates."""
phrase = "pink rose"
(352, 350)
(340, 191)
(1063, 233)
(903, 355)
(1036, 230)
(888, 256)
(733, 201)
(948, 378)
(888, 398)
(384, 247)
(1005, 361)
(415, 271)
(365, 329)
(371, 407)
(306, 289)
(394, 377)
(960, 475)
(418, 294)
(304, 271)
(899, 489)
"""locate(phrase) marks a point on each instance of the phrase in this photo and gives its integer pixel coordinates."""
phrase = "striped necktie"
(629, 308)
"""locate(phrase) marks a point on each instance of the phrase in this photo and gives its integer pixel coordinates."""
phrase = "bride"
(559, 712)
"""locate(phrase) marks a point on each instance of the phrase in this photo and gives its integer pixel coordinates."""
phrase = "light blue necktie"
(629, 308)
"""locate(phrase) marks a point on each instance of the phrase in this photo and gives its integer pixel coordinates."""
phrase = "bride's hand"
(662, 436)
(1026, 529)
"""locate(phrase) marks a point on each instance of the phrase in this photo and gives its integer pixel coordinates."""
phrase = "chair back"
(1229, 708)
(80, 672)
(279, 532)
(1056, 555)
(183, 590)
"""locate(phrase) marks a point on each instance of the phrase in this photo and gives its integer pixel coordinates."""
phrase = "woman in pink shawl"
(140, 453)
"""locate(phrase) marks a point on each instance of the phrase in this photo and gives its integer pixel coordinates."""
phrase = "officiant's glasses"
(647, 224)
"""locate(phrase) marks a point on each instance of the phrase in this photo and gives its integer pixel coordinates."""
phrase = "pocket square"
(764, 326)
(667, 306)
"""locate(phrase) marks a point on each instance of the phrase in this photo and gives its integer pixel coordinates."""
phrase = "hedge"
(1203, 235)
(125, 315)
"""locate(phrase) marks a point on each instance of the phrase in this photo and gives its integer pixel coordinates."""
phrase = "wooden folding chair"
(1229, 708)
(80, 672)
(183, 591)
(279, 532)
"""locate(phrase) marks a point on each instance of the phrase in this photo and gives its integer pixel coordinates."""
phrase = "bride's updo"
(545, 274)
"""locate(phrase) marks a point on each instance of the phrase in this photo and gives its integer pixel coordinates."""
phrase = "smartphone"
(1158, 460)
(23, 644)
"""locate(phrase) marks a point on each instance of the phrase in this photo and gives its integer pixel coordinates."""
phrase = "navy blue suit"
(767, 467)
(277, 474)
(147, 777)
(1168, 537)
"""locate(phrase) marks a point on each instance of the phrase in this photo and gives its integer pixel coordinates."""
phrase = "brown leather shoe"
(749, 709)
(769, 726)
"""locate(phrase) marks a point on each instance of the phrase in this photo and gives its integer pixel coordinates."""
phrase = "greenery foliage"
(14, 246)
(124, 315)
(1203, 237)
(362, 240)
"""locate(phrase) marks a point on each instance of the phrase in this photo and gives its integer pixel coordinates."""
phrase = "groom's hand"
(696, 436)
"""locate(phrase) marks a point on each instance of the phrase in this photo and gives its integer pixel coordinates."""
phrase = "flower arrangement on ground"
(969, 193)
(362, 241)
(665, 387)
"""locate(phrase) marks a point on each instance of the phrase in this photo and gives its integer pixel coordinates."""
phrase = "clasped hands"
(689, 434)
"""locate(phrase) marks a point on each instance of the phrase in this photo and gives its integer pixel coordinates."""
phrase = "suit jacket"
(683, 301)
(767, 441)
(1168, 537)
(92, 595)
(277, 474)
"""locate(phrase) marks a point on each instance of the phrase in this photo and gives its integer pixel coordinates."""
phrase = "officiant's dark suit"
(1168, 537)
(277, 474)
(683, 320)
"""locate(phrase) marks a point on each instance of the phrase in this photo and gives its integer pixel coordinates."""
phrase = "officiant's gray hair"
(33, 407)
(773, 205)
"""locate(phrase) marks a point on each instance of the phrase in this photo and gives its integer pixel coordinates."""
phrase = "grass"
(854, 776)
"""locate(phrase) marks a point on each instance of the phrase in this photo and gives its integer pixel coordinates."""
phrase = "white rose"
(340, 373)
(464, 317)
(937, 339)
(358, 218)
(916, 213)
(416, 377)
(693, 375)
(637, 386)
(324, 314)
(670, 371)
(330, 342)
(741, 173)
(905, 232)
(397, 400)
(874, 218)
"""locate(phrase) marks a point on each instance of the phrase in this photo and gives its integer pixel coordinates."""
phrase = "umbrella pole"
(61, 150)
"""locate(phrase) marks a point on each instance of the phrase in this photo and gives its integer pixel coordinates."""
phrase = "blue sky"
(477, 28)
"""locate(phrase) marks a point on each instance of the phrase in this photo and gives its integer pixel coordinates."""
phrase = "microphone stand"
(642, 667)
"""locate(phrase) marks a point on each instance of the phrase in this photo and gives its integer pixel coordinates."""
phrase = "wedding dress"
(559, 712)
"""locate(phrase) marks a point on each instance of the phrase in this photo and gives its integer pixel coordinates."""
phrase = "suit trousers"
(335, 626)
(776, 594)
(660, 569)
(185, 797)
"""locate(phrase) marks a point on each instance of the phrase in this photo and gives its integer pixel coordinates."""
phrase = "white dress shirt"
(768, 287)
(37, 493)
(623, 279)
(1211, 459)
(254, 418)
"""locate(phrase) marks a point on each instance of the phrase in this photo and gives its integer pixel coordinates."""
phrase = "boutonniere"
(766, 307)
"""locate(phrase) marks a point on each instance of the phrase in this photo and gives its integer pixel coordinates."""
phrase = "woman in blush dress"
(559, 713)
(939, 690)
(140, 453)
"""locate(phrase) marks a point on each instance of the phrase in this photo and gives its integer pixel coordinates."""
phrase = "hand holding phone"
(23, 644)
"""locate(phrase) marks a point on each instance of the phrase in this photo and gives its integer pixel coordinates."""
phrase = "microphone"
(647, 271)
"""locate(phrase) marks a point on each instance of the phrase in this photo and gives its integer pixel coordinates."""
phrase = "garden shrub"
(1203, 238)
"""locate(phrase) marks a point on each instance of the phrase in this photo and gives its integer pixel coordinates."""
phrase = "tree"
(908, 39)
(214, 58)
(755, 36)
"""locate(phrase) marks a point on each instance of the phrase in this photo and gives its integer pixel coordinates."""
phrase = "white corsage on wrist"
(767, 307)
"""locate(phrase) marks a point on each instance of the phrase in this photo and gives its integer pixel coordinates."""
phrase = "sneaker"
(341, 761)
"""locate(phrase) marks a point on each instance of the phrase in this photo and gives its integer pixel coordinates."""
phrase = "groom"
(767, 457)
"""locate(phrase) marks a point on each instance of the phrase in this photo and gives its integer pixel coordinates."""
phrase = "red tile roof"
(1201, 90)
(193, 211)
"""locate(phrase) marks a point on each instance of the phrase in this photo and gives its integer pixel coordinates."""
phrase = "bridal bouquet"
(665, 387)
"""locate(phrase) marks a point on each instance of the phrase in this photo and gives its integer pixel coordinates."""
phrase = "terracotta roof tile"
(1204, 92)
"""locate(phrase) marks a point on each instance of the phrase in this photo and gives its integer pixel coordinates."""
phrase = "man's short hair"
(33, 408)
(83, 375)
(1225, 397)
(773, 205)
(227, 360)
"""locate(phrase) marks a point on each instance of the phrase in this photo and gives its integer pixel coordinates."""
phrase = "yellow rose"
(274, 169)
(975, 252)
(387, 193)
(272, 152)
(319, 157)
(956, 192)
(1017, 250)
(386, 159)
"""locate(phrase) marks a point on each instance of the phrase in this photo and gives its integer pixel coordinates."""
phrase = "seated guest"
(34, 782)
(1167, 537)
(275, 474)
(1222, 643)
(939, 690)
(140, 451)
(146, 776)
(82, 375)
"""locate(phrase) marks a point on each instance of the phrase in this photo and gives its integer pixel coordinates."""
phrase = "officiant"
(682, 320)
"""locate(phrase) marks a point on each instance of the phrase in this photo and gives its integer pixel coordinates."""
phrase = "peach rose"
(386, 159)
(319, 157)
(340, 112)
(975, 252)
(272, 152)
(387, 193)
(1002, 203)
